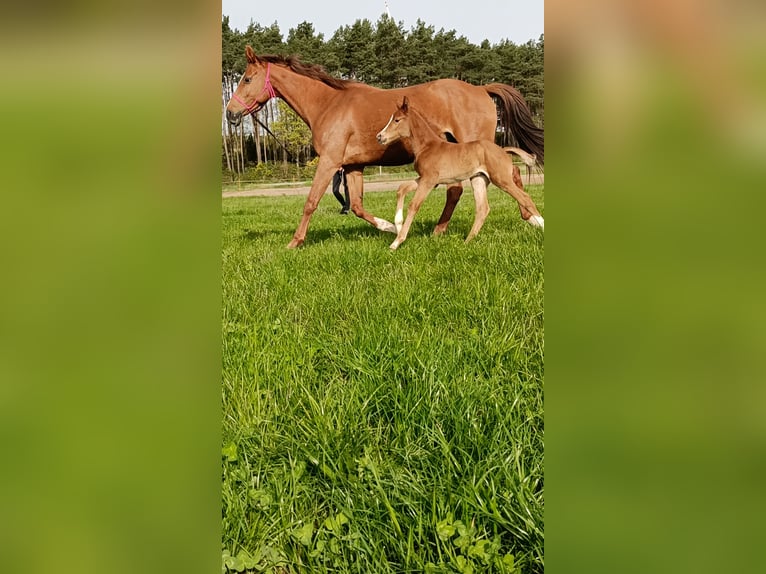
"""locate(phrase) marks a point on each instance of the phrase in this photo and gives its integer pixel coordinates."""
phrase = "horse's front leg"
(453, 196)
(324, 173)
(401, 193)
(355, 183)
(424, 186)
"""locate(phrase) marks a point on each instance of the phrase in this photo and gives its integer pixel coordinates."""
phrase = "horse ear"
(405, 104)
(251, 58)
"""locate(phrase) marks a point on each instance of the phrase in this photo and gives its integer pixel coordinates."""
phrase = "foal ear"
(405, 104)
(251, 57)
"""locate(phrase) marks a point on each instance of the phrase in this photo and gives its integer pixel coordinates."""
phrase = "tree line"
(381, 54)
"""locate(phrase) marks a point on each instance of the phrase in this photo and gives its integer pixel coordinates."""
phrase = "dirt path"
(368, 186)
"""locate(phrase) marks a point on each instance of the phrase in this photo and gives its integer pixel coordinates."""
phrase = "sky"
(494, 20)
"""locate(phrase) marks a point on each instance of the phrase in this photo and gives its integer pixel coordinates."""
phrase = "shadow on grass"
(361, 230)
(315, 235)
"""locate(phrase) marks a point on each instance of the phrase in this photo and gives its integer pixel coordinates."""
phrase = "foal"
(438, 161)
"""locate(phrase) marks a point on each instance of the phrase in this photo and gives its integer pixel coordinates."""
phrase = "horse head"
(397, 127)
(254, 89)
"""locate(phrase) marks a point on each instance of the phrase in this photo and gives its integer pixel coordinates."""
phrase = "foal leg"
(355, 183)
(403, 190)
(517, 177)
(512, 186)
(479, 184)
(420, 195)
(532, 220)
(453, 195)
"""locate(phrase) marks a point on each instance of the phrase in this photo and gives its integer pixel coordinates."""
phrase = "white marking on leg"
(399, 219)
(384, 225)
(536, 221)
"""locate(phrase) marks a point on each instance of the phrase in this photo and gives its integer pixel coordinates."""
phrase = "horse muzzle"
(234, 118)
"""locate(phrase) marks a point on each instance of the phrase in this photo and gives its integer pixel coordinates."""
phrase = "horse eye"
(247, 80)
(397, 120)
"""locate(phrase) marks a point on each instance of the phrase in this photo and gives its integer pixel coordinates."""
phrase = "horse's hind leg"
(453, 196)
(403, 190)
(355, 184)
(513, 186)
(532, 220)
(479, 184)
(517, 177)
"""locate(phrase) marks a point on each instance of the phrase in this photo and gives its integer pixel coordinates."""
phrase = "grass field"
(382, 412)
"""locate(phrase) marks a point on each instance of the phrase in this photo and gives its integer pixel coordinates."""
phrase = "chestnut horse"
(344, 117)
(437, 161)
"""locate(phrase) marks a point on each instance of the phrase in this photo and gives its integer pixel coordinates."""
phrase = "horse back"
(354, 116)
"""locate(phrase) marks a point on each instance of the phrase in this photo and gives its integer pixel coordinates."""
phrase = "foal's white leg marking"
(479, 184)
(399, 219)
(384, 225)
(537, 221)
(400, 193)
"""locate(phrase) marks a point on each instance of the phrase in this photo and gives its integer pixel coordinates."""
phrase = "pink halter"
(267, 87)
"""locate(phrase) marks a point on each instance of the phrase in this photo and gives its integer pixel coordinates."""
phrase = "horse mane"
(313, 71)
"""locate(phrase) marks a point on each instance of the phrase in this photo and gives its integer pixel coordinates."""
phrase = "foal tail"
(516, 118)
(529, 159)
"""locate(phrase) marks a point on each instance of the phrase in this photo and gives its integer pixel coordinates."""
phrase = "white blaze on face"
(382, 132)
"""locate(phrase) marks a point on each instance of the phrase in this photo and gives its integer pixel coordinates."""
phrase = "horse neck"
(422, 132)
(306, 96)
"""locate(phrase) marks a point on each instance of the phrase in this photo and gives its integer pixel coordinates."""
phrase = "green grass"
(382, 411)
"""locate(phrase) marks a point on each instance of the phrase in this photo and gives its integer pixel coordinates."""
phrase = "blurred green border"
(110, 307)
(110, 315)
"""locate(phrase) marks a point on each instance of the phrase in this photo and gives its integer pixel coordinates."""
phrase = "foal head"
(253, 91)
(398, 126)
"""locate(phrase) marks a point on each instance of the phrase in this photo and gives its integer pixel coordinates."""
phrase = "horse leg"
(479, 184)
(517, 177)
(403, 190)
(512, 186)
(520, 184)
(420, 195)
(355, 183)
(322, 179)
(453, 195)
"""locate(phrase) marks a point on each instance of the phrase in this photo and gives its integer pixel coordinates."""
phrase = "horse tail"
(529, 159)
(516, 119)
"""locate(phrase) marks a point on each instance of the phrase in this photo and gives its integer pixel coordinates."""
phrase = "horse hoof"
(537, 221)
(384, 225)
(393, 246)
(294, 244)
(440, 230)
